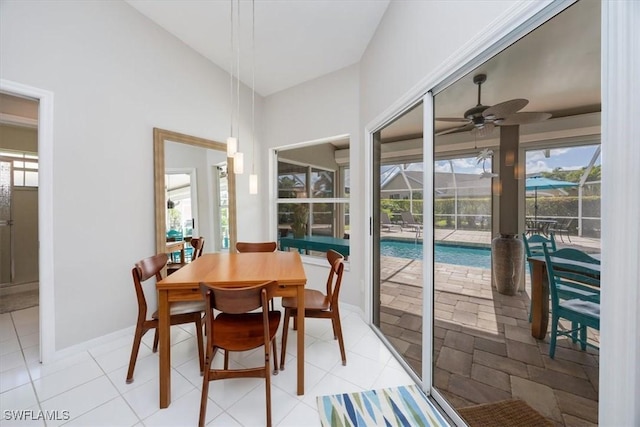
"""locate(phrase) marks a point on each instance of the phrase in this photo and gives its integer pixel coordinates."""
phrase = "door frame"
(45, 210)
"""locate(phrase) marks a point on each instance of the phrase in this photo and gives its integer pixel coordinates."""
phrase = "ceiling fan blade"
(452, 119)
(464, 128)
(523, 118)
(504, 109)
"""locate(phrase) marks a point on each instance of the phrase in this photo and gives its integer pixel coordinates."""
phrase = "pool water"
(459, 255)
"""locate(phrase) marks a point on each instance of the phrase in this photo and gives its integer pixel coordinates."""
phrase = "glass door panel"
(397, 236)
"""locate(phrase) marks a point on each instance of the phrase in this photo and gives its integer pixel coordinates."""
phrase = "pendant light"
(253, 178)
(170, 203)
(233, 143)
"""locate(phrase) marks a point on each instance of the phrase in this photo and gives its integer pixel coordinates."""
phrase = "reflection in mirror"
(194, 193)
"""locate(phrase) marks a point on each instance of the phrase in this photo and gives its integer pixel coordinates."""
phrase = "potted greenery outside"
(300, 218)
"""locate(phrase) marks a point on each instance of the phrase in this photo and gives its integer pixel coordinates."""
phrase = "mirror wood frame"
(160, 136)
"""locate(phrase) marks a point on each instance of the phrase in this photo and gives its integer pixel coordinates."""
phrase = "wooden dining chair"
(244, 323)
(318, 305)
(582, 278)
(181, 312)
(256, 246)
(198, 246)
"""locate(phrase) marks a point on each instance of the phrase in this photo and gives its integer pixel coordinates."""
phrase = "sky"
(568, 158)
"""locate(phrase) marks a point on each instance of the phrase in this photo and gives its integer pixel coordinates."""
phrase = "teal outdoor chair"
(533, 247)
(174, 236)
(576, 270)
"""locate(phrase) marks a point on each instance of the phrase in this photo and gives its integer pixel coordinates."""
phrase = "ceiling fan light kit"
(482, 119)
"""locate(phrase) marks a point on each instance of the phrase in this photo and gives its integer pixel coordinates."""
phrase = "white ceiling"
(295, 41)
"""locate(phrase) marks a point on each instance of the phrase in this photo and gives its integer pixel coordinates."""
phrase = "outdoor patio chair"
(386, 224)
(563, 228)
(410, 222)
(533, 247)
(562, 271)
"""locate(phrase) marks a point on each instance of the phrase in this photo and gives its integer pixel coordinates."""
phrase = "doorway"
(19, 264)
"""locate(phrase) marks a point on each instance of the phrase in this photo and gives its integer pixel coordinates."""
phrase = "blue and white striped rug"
(389, 407)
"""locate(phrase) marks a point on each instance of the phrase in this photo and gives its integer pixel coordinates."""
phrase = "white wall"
(412, 40)
(322, 108)
(115, 75)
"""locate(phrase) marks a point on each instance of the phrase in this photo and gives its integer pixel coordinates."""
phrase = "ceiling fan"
(482, 119)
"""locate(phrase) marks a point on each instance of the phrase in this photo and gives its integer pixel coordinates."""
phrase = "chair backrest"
(256, 246)
(143, 271)
(384, 218)
(238, 301)
(570, 267)
(174, 236)
(407, 218)
(334, 281)
(198, 247)
(533, 244)
(567, 223)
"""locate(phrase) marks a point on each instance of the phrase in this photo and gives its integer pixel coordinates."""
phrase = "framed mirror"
(165, 141)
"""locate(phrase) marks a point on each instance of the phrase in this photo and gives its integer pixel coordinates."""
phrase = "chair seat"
(583, 307)
(239, 332)
(183, 307)
(313, 300)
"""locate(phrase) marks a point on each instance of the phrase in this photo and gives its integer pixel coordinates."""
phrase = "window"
(25, 168)
(313, 203)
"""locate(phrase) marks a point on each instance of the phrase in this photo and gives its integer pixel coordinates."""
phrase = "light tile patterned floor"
(91, 385)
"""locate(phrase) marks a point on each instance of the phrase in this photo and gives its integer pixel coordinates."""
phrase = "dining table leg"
(539, 301)
(164, 348)
(300, 321)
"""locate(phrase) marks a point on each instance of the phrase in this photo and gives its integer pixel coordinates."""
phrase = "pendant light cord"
(231, 102)
(238, 70)
(253, 86)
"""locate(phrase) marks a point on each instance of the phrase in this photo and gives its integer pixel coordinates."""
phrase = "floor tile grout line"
(33, 387)
(114, 386)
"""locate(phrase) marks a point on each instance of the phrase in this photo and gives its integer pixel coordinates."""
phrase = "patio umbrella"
(540, 182)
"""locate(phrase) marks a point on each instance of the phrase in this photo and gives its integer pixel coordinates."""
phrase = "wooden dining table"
(540, 293)
(177, 246)
(232, 270)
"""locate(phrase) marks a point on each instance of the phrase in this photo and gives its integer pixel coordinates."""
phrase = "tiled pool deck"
(483, 348)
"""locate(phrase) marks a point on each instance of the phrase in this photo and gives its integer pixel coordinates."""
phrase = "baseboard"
(14, 288)
(94, 342)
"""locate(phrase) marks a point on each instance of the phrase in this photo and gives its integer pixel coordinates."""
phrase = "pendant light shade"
(232, 146)
(238, 163)
(253, 184)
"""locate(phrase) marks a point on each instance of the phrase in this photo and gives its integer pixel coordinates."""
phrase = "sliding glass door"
(397, 232)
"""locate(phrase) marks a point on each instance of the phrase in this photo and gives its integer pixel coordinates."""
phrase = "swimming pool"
(449, 254)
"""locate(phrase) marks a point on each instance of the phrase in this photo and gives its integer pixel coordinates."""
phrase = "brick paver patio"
(483, 348)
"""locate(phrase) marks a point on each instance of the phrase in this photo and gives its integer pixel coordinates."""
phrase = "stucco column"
(507, 251)
(508, 208)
